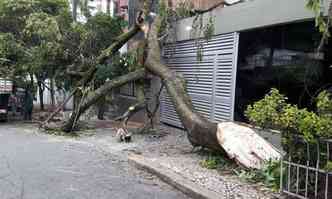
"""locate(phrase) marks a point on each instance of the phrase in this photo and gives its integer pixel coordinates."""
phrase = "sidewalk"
(170, 149)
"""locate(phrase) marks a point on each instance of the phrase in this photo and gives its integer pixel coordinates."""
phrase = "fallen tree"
(239, 142)
(246, 147)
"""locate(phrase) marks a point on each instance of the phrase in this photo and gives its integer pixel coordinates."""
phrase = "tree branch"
(132, 110)
(74, 73)
(326, 32)
(110, 51)
(151, 114)
(199, 12)
(92, 98)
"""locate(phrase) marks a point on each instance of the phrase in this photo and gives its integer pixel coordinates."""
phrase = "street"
(34, 165)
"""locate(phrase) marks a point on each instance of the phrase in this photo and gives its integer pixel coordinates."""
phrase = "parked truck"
(6, 88)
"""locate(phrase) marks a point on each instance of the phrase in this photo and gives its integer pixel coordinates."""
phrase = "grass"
(269, 175)
(328, 166)
(215, 160)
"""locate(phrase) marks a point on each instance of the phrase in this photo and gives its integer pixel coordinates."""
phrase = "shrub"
(274, 112)
(269, 175)
(295, 125)
(213, 162)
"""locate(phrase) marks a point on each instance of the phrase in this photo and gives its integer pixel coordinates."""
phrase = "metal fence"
(305, 172)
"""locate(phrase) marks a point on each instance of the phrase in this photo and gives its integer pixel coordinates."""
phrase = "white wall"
(96, 6)
(253, 14)
(59, 97)
(101, 6)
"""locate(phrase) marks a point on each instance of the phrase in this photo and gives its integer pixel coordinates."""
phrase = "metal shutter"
(210, 82)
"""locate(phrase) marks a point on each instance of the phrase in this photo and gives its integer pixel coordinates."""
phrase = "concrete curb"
(172, 178)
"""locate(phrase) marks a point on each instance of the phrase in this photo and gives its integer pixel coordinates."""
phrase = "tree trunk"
(52, 91)
(77, 99)
(93, 97)
(41, 95)
(101, 108)
(74, 9)
(31, 81)
(108, 7)
(201, 132)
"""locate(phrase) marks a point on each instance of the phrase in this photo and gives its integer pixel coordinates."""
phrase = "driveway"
(34, 165)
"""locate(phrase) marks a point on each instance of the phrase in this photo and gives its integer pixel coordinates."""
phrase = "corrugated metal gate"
(210, 82)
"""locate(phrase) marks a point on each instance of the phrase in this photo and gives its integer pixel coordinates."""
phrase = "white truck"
(6, 88)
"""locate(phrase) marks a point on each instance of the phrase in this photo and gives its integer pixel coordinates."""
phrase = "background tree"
(38, 27)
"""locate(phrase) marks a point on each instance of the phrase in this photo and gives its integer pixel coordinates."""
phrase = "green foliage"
(328, 166)
(100, 31)
(209, 29)
(323, 24)
(52, 7)
(295, 124)
(39, 38)
(316, 7)
(266, 112)
(14, 13)
(274, 112)
(10, 53)
(184, 9)
(269, 175)
(38, 29)
(9, 48)
(324, 105)
(215, 161)
(120, 65)
(41, 26)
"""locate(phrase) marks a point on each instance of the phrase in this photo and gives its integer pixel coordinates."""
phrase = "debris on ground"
(123, 135)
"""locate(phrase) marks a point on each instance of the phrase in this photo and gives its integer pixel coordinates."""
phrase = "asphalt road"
(38, 166)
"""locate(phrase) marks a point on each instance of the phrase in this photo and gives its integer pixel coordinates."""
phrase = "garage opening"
(282, 57)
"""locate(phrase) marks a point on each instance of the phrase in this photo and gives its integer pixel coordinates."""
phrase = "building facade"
(197, 4)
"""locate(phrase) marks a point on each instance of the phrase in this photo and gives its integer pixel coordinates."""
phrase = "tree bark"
(93, 97)
(52, 91)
